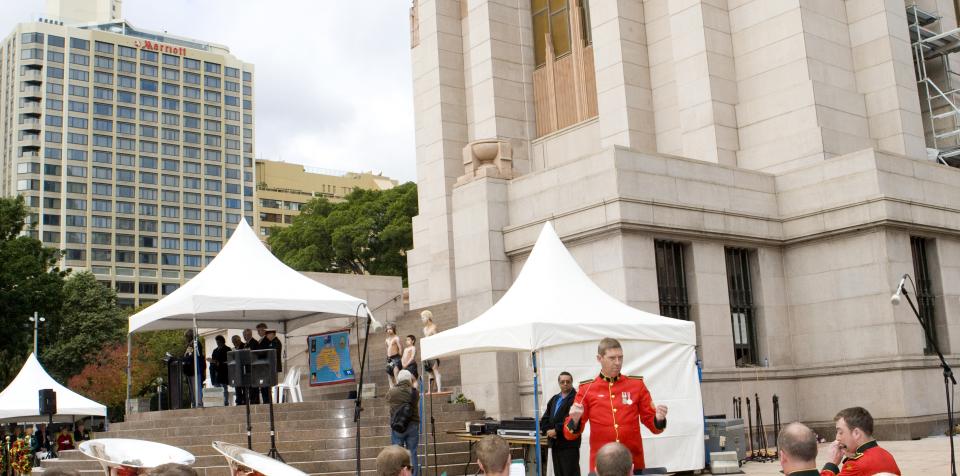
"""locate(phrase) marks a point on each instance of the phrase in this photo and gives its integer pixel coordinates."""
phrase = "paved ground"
(929, 456)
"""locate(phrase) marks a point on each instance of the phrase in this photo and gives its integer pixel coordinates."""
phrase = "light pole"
(36, 320)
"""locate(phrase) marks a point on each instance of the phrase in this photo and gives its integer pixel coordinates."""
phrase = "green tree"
(29, 282)
(369, 233)
(89, 320)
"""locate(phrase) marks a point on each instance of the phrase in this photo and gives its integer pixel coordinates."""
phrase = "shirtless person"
(430, 367)
(394, 347)
(409, 359)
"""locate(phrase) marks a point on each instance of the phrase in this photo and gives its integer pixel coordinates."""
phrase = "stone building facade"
(757, 166)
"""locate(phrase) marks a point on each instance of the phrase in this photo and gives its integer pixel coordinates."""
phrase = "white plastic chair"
(292, 383)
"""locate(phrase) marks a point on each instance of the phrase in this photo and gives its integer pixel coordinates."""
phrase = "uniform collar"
(866, 446)
(609, 379)
(805, 472)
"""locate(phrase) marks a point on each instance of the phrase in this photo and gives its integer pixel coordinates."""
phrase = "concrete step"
(280, 426)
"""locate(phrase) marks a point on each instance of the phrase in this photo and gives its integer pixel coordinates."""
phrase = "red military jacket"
(869, 459)
(614, 407)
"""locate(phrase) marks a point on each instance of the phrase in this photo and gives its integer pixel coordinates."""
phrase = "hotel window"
(926, 297)
(78, 44)
(125, 286)
(54, 56)
(126, 66)
(32, 37)
(146, 55)
(148, 70)
(82, 60)
(55, 41)
(99, 238)
(742, 309)
(103, 62)
(671, 279)
(102, 47)
(171, 60)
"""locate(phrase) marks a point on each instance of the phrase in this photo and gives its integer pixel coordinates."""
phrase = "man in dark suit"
(252, 344)
(566, 453)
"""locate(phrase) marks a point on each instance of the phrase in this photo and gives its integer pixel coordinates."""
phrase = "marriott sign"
(154, 46)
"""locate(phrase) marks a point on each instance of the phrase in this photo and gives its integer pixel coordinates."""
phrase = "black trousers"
(566, 461)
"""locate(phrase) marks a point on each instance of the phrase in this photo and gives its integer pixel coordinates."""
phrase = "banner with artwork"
(330, 358)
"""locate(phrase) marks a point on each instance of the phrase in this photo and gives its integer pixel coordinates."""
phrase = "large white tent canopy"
(245, 285)
(554, 309)
(553, 302)
(20, 402)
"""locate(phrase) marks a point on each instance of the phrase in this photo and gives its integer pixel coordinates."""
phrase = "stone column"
(883, 63)
(622, 68)
(711, 305)
(441, 134)
(483, 271)
(498, 73)
(705, 79)
(773, 322)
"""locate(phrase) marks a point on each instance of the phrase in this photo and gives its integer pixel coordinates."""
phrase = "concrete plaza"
(925, 457)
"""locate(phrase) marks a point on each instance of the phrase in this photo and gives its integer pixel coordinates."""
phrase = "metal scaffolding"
(937, 82)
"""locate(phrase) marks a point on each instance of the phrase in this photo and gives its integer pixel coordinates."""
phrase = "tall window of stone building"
(671, 281)
(742, 310)
(564, 82)
(925, 293)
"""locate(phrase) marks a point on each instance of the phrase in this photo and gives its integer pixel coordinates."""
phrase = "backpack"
(402, 415)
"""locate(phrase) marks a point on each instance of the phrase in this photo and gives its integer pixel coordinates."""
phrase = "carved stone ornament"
(487, 158)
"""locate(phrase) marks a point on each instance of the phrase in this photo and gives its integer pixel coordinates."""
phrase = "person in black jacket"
(566, 453)
(218, 368)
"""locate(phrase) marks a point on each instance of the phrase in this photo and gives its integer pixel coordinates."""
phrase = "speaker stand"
(273, 453)
(53, 447)
(246, 401)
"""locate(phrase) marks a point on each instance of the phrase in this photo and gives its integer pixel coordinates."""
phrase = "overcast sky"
(334, 88)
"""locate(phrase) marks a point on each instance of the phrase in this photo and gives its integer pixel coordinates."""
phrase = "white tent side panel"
(670, 373)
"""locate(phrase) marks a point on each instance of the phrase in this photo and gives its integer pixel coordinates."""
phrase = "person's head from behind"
(798, 448)
(261, 329)
(614, 459)
(610, 356)
(854, 427)
(493, 455)
(394, 461)
(64, 430)
(404, 376)
(270, 334)
(221, 341)
(188, 336)
(172, 469)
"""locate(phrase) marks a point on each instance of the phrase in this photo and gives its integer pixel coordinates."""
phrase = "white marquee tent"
(554, 309)
(244, 285)
(20, 402)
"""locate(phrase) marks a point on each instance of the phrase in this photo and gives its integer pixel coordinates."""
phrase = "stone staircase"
(316, 437)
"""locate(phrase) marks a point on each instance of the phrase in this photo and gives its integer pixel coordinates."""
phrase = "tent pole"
(130, 368)
(363, 361)
(196, 366)
(536, 409)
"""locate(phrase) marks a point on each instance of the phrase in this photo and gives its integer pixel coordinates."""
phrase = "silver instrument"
(128, 457)
(244, 462)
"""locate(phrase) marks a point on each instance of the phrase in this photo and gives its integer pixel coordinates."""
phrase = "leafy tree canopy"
(369, 233)
(29, 282)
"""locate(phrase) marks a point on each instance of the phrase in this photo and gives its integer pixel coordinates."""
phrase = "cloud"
(333, 79)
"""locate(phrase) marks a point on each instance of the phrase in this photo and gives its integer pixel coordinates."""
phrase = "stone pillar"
(711, 305)
(498, 73)
(883, 62)
(773, 321)
(945, 262)
(484, 274)
(705, 79)
(441, 134)
(622, 68)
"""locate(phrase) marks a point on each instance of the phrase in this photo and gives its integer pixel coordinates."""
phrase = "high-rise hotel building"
(133, 149)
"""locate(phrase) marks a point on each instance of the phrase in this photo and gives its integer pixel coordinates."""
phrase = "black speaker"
(175, 385)
(238, 368)
(48, 401)
(263, 368)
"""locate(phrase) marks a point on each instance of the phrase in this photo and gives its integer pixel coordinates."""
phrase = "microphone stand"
(948, 378)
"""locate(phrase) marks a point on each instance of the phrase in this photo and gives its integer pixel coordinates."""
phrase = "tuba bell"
(244, 462)
(129, 457)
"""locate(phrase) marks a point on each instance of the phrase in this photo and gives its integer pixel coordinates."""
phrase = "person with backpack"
(405, 416)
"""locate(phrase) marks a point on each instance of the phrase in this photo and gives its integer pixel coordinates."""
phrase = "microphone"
(895, 299)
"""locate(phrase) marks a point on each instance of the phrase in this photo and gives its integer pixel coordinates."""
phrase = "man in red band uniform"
(855, 452)
(614, 405)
